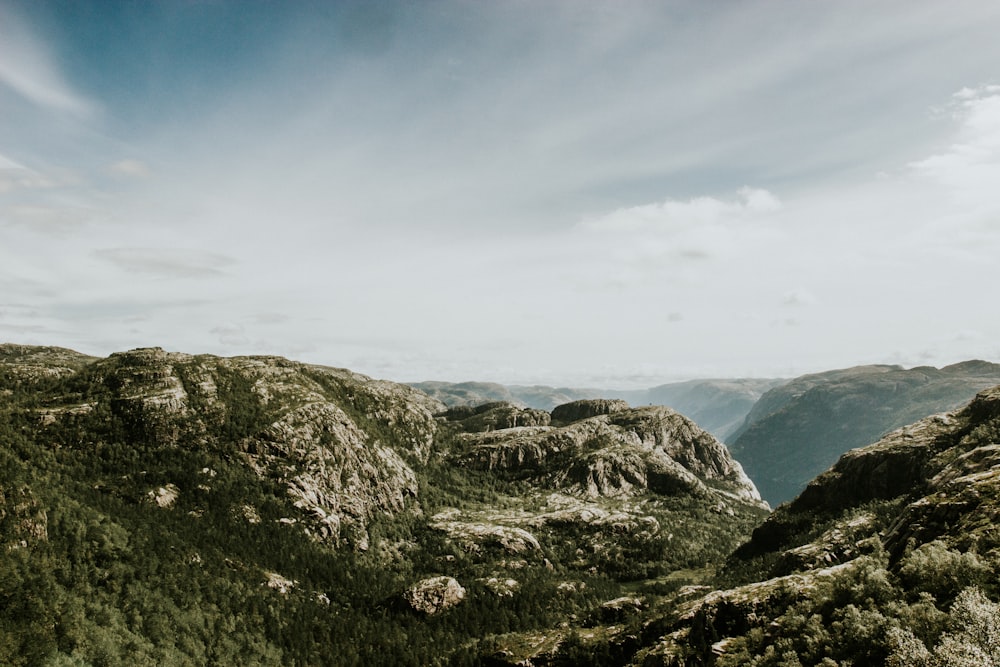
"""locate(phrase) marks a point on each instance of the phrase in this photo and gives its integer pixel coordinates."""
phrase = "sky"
(582, 193)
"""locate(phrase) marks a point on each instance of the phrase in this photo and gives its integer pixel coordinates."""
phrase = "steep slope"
(799, 429)
(174, 509)
(890, 557)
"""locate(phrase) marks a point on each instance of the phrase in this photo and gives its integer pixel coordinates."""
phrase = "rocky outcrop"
(477, 535)
(539, 397)
(164, 497)
(434, 595)
(582, 409)
(625, 452)
(341, 479)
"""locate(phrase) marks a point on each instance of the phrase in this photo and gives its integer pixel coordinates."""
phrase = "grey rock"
(434, 595)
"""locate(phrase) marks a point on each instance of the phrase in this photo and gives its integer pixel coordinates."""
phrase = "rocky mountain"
(166, 508)
(890, 557)
(718, 406)
(169, 509)
(797, 430)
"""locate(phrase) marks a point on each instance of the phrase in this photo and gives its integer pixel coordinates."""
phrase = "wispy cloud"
(28, 67)
(970, 166)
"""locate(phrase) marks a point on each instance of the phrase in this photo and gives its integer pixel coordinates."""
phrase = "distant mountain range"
(784, 432)
(799, 429)
(718, 406)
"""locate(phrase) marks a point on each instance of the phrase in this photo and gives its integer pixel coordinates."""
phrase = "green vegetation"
(101, 567)
(147, 518)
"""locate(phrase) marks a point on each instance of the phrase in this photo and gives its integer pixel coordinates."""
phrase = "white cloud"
(671, 215)
(28, 67)
(7, 163)
(969, 168)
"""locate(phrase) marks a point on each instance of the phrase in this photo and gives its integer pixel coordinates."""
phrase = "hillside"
(890, 558)
(718, 406)
(799, 429)
(162, 508)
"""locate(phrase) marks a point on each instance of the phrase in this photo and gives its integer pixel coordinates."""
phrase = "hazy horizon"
(578, 194)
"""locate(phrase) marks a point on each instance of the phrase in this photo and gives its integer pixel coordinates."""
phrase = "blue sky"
(586, 193)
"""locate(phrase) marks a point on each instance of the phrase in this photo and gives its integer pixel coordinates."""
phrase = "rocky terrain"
(798, 430)
(155, 495)
(863, 567)
(160, 508)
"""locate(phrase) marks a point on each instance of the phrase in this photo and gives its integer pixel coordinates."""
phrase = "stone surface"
(434, 595)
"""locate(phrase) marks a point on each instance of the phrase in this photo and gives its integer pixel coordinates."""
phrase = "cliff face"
(798, 430)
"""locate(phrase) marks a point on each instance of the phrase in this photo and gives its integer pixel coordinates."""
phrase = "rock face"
(618, 452)
(798, 430)
(434, 595)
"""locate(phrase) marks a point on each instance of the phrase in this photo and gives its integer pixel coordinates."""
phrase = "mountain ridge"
(163, 508)
(799, 429)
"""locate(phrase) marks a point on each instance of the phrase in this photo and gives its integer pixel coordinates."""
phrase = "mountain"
(718, 406)
(889, 558)
(478, 393)
(797, 430)
(174, 509)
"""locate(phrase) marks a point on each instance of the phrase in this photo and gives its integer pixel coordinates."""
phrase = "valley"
(173, 509)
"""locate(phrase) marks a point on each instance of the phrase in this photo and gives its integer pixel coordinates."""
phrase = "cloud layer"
(584, 193)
